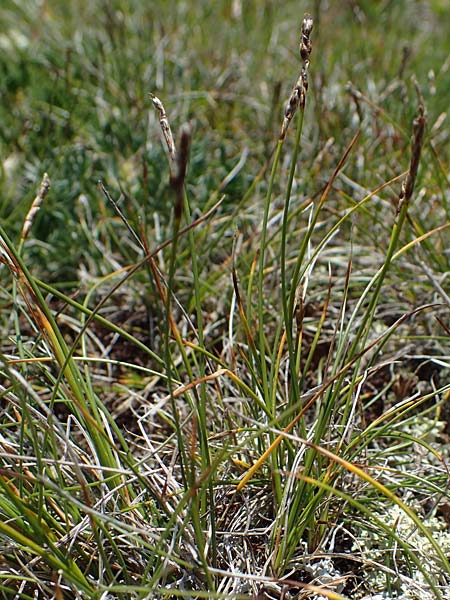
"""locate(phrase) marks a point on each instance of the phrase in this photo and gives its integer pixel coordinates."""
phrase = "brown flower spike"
(416, 149)
(298, 95)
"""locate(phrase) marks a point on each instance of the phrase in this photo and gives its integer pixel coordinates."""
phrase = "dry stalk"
(35, 206)
(298, 95)
(178, 159)
(165, 127)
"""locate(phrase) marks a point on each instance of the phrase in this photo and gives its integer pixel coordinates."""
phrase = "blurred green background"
(75, 77)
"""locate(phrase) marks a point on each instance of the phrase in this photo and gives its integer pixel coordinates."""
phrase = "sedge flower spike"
(298, 95)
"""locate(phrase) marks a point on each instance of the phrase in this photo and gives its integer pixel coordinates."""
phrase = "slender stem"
(201, 409)
(287, 314)
(262, 255)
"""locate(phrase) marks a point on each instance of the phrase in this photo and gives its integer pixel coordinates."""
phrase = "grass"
(224, 368)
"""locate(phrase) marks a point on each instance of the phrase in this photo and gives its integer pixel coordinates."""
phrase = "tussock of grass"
(225, 357)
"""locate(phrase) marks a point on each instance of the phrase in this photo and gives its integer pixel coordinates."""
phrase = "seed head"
(305, 42)
(416, 149)
(298, 94)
